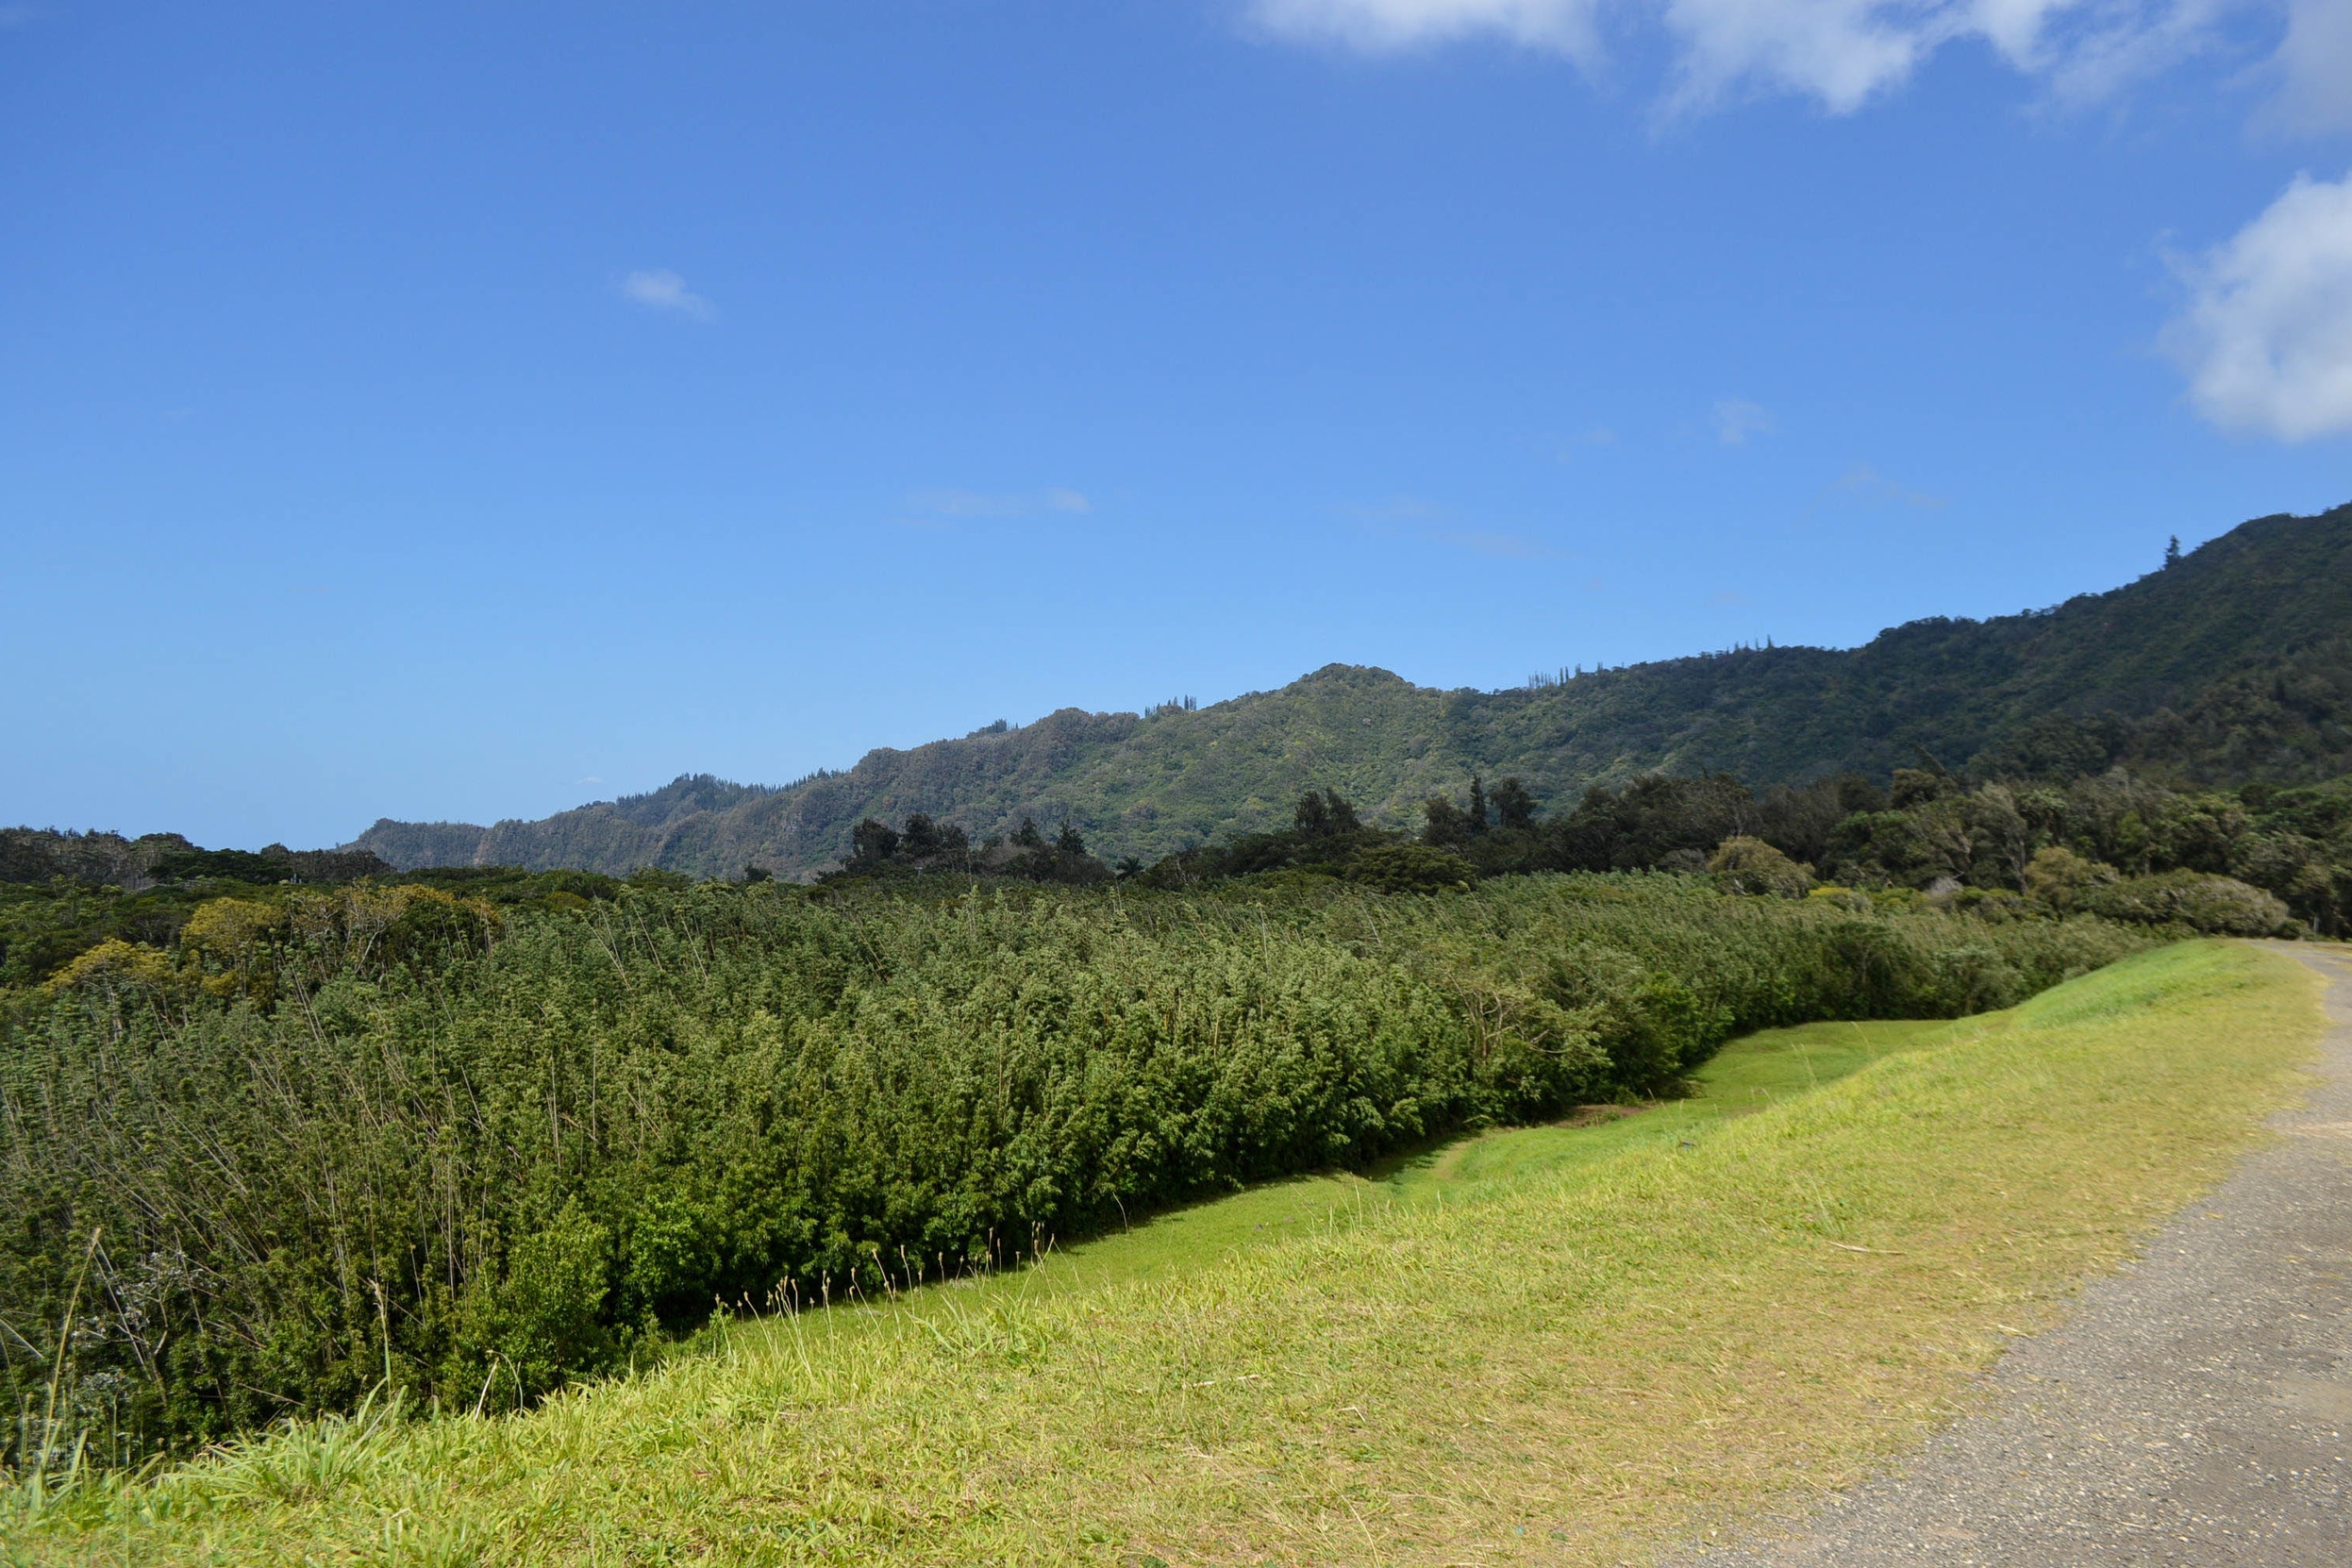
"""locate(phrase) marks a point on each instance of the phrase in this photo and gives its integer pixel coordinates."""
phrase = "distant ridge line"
(2234, 662)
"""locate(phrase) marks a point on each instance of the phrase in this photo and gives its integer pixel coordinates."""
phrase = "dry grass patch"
(1577, 1367)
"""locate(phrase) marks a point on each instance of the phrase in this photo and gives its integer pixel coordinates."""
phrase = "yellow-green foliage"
(1746, 864)
(1572, 1363)
(114, 964)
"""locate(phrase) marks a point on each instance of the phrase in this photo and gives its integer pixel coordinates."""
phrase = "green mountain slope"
(2235, 662)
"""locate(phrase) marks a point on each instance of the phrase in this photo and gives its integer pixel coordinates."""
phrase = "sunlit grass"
(1541, 1344)
(1748, 1075)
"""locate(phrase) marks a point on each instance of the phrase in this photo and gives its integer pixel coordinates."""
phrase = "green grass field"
(1569, 1345)
(1749, 1075)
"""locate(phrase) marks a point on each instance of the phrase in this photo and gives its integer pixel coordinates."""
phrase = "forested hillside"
(2232, 663)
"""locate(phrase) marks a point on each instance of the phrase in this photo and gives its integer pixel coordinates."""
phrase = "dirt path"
(2196, 1410)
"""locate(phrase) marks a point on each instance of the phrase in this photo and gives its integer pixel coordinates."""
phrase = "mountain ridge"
(2234, 661)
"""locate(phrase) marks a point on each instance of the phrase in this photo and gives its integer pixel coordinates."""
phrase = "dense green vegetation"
(2256, 861)
(924, 848)
(278, 1127)
(43, 854)
(64, 894)
(2232, 664)
(328, 1136)
(1572, 1346)
(490, 1123)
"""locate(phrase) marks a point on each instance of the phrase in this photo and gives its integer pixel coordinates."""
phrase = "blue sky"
(467, 411)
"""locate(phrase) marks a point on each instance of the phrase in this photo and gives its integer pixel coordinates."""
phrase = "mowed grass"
(1748, 1075)
(1571, 1345)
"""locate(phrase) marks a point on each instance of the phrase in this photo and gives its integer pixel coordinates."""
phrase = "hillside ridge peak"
(2232, 658)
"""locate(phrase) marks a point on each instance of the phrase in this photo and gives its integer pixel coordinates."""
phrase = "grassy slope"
(1544, 1345)
(1747, 1076)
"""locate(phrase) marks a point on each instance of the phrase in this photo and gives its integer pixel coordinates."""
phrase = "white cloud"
(1840, 53)
(1736, 419)
(2314, 68)
(1067, 500)
(1564, 26)
(663, 290)
(2266, 336)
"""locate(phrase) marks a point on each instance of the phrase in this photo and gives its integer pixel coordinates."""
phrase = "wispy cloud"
(2266, 336)
(662, 289)
(1067, 500)
(1500, 546)
(965, 502)
(2312, 70)
(1410, 517)
(1866, 483)
(1564, 26)
(1389, 515)
(1584, 440)
(1839, 53)
(1737, 420)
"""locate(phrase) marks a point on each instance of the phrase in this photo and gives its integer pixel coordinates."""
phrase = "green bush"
(1409, 868)
(2222, 906)
(1745, 864)
(497, 1151)
(544, 1317)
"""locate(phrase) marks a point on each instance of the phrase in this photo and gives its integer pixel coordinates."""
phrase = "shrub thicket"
(1931, 830)
(366, 1134)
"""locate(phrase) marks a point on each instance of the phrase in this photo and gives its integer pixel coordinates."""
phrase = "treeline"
(2255, 860)
(2258, 860)
(2251, 860)
(1326, 837)
(923, 845)
(36, 855)
(478, 1145)
(66, 896)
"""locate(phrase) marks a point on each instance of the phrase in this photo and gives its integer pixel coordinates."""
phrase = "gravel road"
(2193, 1410)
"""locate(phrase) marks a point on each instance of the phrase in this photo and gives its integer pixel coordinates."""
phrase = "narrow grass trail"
(1572, 1344)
